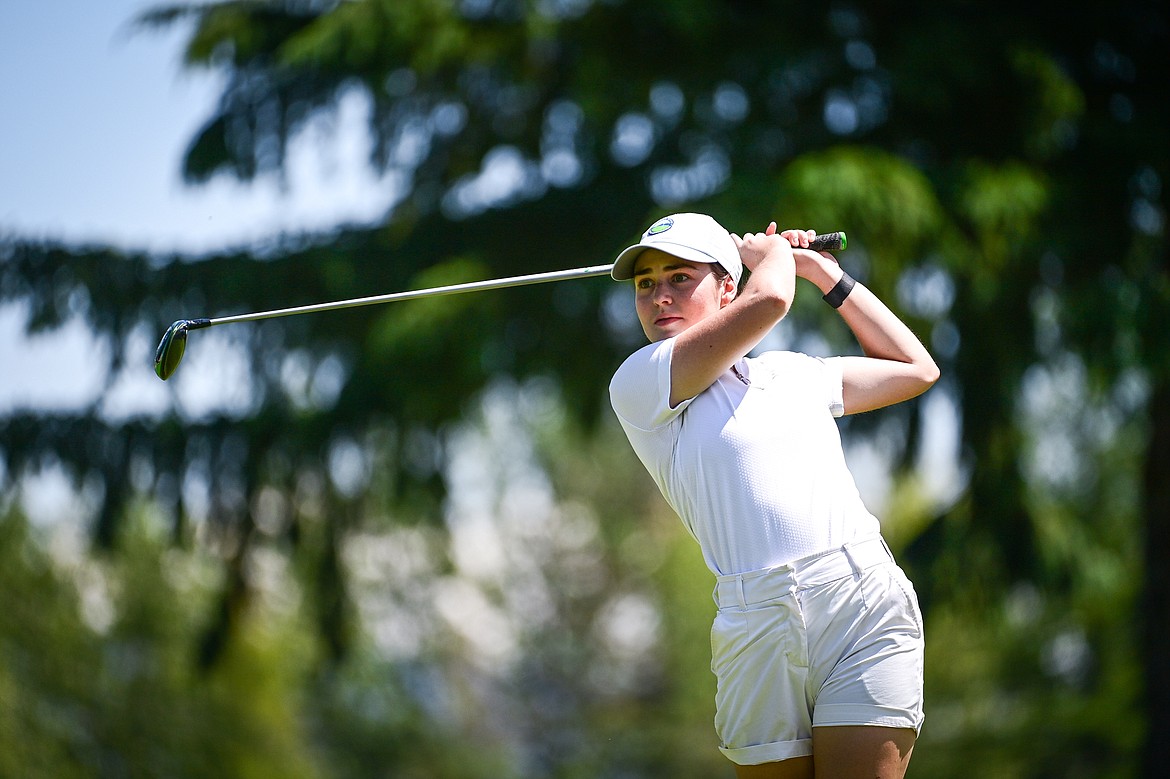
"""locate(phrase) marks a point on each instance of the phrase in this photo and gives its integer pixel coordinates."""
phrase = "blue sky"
(94, 117)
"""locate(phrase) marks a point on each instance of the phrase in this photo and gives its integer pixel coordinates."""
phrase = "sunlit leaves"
(1056, 103)
(880, 200)
(1003, 205)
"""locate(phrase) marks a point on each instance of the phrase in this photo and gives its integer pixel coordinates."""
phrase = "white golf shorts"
(831, 639)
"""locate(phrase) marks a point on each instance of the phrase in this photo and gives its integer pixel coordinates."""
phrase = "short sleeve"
(834, 385)
(640, 390)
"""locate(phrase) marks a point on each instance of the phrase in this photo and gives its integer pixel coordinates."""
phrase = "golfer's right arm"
(707, 349)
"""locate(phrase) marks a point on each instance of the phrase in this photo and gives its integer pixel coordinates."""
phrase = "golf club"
(174, 341)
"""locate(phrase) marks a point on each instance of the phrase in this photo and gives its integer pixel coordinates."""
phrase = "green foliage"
(891, 208)
(1026, 691)
(1057, 102)
(99, 678)
(1003, 206)
(844, 184)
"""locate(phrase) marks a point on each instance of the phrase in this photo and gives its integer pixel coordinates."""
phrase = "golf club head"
(170, 349)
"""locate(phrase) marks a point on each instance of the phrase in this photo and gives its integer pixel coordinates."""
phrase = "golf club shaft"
(174, 341)
(472, 286)
(829, 241)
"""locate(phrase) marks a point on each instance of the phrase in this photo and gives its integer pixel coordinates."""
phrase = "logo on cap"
(661, 227)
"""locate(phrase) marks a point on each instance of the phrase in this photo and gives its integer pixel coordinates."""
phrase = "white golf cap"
(694, 237)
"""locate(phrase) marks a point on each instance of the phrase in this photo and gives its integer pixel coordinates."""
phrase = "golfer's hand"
(765, 247)
(820, 268)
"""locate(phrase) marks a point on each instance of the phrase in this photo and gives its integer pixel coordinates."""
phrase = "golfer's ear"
(729, 290)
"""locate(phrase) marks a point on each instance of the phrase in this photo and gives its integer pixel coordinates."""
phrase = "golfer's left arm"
(896, 365)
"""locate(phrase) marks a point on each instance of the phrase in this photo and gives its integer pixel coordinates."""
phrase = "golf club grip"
(829, 242)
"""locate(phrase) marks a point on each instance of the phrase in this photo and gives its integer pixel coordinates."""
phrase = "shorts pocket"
(903, 583)
(728, 638)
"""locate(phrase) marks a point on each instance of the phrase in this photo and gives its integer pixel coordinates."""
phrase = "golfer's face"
(673, 294)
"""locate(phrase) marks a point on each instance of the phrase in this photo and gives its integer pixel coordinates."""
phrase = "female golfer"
(817, 642)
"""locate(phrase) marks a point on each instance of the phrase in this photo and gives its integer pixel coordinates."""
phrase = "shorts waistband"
(745, 589)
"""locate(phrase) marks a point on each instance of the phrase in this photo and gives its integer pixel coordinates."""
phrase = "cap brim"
(623, 266)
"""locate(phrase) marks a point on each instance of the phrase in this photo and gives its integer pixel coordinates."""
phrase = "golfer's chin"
(660, 332)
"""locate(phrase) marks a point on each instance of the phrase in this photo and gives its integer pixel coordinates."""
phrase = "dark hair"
(722, 273)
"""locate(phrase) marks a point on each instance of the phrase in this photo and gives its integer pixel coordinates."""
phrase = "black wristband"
(836, 296)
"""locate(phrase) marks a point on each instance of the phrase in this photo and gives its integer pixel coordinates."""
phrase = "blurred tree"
(1002, 179)
(97, 677)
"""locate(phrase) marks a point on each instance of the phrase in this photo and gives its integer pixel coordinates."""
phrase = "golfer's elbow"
(774, 299)
(779, 305)
(926, 373)
(918, 375)
(915, 381)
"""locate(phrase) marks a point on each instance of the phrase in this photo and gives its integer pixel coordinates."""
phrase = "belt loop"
(857, 569)
(739, 592)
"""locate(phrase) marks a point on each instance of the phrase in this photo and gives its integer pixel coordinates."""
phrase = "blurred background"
(410, 540)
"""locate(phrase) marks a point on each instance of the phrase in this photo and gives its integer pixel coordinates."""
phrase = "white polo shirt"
(756, 472)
